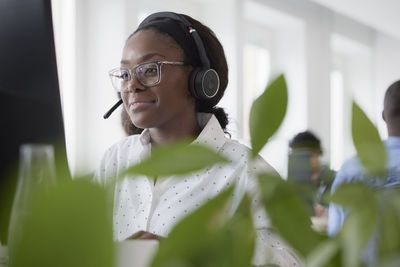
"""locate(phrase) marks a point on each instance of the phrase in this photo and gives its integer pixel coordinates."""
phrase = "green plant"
(284, 205)
(226, 240)
(69, 224)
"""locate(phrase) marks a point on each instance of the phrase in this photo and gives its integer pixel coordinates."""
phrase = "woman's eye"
(150, 71)
(124, 75)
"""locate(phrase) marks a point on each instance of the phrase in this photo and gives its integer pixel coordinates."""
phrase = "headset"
(203, 81)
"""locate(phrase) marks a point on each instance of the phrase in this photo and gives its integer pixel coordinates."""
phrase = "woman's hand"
(145, 235)
(319, 210)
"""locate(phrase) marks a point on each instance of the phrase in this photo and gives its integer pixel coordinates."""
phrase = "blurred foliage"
(210, 237)
(360, 223)
(70, 225)
(373, 222)
(389, 225)
(176, 159)
(324, 254)
(284, 206)
(267, 113)
(370, 149)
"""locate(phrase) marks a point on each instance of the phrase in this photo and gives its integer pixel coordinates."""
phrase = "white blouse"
(141, 204)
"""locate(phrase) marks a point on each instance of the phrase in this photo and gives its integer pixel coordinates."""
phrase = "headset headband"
(196, 37)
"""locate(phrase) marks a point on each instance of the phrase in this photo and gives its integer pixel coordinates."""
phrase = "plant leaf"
(360, 223)
(357, 231)
(393, 261)
(198, 228)
(389, 216)
(176, 159)
(267, 113)
(69, 225)
(241, 233)
(370, 149)
(354, 195)
(323, 254)
(207, 237)
(288, 213)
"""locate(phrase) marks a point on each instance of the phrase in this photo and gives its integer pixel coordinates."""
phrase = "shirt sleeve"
(336, 215)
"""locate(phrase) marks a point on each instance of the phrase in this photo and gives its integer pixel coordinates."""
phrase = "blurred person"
(305, 167)
(352, 170)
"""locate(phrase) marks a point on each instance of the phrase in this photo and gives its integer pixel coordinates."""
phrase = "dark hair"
(215, 54)
(306, 141)
(392, 101)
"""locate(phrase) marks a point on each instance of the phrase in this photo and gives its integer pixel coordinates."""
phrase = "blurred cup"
(36, 173)
(3, 256)
(136, 253)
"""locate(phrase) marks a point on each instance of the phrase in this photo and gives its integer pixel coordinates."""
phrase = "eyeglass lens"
(147, 74)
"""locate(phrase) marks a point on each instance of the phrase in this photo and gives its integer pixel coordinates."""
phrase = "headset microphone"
(108, 113)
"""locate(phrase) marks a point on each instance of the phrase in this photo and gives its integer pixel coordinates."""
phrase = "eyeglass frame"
(133, 70)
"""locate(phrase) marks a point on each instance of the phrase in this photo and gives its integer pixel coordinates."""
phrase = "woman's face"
(164, 104)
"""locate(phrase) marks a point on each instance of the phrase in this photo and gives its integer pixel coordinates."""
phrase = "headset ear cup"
(204, 84)
(192, 83)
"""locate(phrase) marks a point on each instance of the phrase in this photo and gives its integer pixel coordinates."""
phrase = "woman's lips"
(140, 104)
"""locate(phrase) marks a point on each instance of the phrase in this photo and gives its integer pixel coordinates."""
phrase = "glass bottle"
(36, 171)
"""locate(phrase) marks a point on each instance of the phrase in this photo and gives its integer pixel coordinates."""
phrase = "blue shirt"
(352, 170)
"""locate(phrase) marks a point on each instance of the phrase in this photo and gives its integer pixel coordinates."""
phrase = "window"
(336, 119)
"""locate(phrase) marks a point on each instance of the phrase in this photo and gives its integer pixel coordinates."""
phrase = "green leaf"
(389, 236)
(198, 230)
(288, 213)
(208, 237)
(355, 195)
(360, 223)
(267, 113)
(69, 225)
(370, 149)
(324, 253)
(393, 261)
(357, 231)
(389, 216)
(241, 234)
(176, 159)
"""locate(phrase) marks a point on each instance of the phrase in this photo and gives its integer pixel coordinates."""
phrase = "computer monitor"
(299, 166)
(30, 106)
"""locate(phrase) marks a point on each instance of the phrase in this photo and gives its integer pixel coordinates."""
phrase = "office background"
(332, 52)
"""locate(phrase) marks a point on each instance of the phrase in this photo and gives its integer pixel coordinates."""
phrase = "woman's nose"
(134, 85)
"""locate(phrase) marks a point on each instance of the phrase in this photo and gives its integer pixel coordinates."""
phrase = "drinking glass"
(36, 171)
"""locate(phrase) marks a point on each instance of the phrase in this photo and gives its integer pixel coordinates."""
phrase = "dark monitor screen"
(299, 166)
(30, 106)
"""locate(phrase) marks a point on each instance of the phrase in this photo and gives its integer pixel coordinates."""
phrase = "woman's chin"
(142, 122)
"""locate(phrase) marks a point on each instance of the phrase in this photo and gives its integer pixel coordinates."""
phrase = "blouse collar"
(211, 135)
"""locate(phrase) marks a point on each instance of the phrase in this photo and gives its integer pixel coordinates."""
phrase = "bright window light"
(336, 119)
(256, 74)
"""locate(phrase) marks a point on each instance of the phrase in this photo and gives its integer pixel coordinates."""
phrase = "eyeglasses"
(148, 74)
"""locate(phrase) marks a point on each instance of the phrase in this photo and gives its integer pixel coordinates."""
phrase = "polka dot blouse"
(141, 204)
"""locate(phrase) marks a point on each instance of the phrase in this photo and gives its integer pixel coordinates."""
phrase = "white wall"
(355, 62)
(288, 56)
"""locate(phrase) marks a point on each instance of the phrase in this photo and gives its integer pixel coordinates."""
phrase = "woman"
(157, 83)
